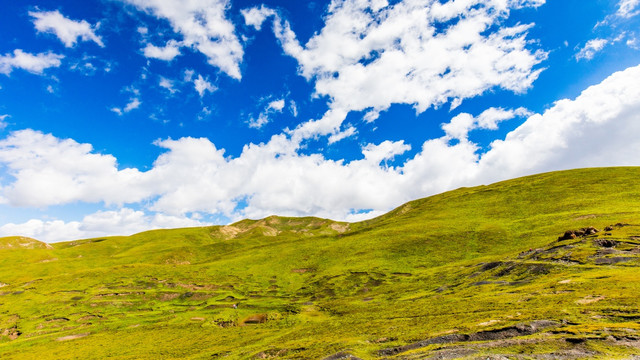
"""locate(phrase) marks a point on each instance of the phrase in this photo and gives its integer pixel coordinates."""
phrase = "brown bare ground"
(72, 337)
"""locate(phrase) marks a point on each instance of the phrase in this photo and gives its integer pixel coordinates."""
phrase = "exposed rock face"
(517, 330)
(572, 234)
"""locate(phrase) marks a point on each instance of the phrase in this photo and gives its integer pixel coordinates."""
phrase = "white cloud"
(256, 16)
(67, 30)
(275, 106)
(591, 48)
(166, 53)
(386, 150)
(204, 27)
(188, 75)
(628, 8)
(133, 104)
(598, 128)
(425, 53)
(124, 221)
(167, 84)
(293, 107)
(3, 124)
(203, 85)
(461, 124)
(35, 64)
(52, 171)
(337, 136)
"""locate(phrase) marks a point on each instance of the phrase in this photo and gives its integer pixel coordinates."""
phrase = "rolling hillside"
(545, 266)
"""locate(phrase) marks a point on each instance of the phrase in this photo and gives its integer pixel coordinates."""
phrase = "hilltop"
(544, 266)
(22, 242)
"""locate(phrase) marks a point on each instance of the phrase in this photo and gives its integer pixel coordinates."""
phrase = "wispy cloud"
(3, 124)
(628, 8)
(167, 84)
(133, 104)
(273, 107)
(591, 48)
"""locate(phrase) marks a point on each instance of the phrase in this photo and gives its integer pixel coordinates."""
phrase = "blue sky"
(118, 116)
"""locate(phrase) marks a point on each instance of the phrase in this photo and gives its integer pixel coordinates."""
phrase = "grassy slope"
(325, 287)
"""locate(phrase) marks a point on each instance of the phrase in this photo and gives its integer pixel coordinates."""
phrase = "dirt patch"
(586, 217)
(3, 284)
(489, 323)
(487, 335)
(167, 296)
(197, 318)
(198, 287)
(255, 319)
(269, 231)
(341, 228)
(405, 209)
(589, 300)
(302, 270)
(72, 337)
(229, 231)
(89, 317)
(12, 333)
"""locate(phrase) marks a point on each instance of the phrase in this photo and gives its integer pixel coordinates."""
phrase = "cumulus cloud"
(203, 26)
(52, 171)
(166, 53)
(461, 124)
(591, 48)
(67, 30)
(384, 151)
(256, 16)
(425, 53)
(598, 128)
(124, 221)
(35, 64)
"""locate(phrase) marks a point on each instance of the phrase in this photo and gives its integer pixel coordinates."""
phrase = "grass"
(462, 262)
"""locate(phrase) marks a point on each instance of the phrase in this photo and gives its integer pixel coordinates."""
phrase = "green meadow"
(482, 272)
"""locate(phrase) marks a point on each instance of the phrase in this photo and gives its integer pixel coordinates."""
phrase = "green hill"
(472, 273)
